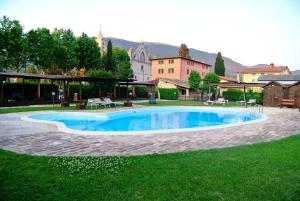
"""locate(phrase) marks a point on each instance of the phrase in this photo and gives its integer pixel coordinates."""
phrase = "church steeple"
(101, 40)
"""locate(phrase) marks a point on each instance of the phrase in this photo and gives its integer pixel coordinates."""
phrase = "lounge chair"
(92, 102)
(99, 102)
(221, 101)
(251, 102)
(110, 102)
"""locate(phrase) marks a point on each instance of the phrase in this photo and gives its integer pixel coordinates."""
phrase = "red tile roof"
(271, 68)
(229, 79)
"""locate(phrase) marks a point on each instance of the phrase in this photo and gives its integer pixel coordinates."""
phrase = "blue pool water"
(149, 119)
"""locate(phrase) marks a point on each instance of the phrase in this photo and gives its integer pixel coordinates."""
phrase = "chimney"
(271, 65)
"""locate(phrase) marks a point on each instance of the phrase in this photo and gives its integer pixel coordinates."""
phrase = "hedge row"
(168, 93)
(237, 95)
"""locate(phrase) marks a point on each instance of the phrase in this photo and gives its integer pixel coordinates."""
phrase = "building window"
(192, 63)
(253, 80)
(171, 70)
(161, 61)
(135, 76)
(142, 57)
(171, 61)
(188, 62)
(187, 71)
(241, 77)
(160, 71)
(253, 74)
(142, 68)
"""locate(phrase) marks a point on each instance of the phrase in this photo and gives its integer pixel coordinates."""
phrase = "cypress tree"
(219, 65)
(109, 62)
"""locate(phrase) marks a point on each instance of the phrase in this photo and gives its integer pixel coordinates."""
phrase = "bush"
(168, 93)
(141, 92)
(233, 95)
(237, 95)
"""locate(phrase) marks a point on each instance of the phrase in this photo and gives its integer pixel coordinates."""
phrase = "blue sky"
(249, 32)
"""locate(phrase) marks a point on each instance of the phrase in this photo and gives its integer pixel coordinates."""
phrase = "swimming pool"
(146, 119)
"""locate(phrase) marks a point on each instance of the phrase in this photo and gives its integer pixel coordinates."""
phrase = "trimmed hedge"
(168, 93)
(237, 95)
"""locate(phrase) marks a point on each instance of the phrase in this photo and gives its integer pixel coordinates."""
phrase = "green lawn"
(260, 172)
(186, 103)
(43, 108)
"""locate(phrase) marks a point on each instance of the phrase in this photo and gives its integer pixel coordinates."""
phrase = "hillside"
(161, 49)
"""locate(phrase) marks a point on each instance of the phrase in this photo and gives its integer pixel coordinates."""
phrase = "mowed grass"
(187, 103)
(260, 172)
(46, 108)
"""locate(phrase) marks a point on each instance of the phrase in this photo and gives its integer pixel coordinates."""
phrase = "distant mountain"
(296, 72)
(161, 49)
(259, 65)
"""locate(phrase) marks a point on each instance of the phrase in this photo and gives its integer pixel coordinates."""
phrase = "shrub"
(168, 93)
(233, 95)
(237, 95)
(141, 91)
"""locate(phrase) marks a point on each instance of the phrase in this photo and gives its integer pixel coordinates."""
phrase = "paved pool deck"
(46, 139)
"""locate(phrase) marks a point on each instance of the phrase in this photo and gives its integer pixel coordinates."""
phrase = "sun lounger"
(251, 102)
(100, 102)
(92, 102)
(110, 102)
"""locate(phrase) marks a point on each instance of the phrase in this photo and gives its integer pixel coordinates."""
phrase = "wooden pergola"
(61, 78)
(243, 85)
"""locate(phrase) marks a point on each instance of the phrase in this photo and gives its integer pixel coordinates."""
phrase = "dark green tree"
(65, 46)
(11, 44)
(40, 47)
(184, 51)
(88, 52)
(109, 60)
(121, 62)
(194, 80)
(219, 65)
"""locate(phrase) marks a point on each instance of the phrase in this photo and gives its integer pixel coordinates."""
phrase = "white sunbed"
(92, 102)
(221, 101)
(110, 102)
(98, 101)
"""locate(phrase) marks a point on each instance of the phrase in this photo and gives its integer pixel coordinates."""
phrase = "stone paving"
(45, 139)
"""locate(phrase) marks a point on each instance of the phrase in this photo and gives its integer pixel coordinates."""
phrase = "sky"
(247, 31)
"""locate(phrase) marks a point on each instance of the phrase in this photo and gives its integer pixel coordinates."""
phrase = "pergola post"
(65, 93)
(244, 89)
(127, 95)
(80, 93)
(68, 91)
(2, 90)
(23, 89)
(115, 90)
(39, 90)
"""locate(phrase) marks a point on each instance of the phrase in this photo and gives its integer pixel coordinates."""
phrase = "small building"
(182, 86)
(177, 67)
(274, 92)
(251, 74)
(294, 93)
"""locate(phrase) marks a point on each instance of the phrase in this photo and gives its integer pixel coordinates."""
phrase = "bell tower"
(101, 40)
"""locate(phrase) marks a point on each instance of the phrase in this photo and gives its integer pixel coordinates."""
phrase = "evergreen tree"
(109, 60)
(194, 80)
(184, 51)
(219, 65)
(121, 63)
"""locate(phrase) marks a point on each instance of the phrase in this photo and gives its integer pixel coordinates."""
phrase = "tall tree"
(11, 44)
(184, 51)
(65, 46)
(40, 47)
(88, 52)
(109, 61)
(210, 78)
(121, 63)
(219, 65)
(194, 80)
